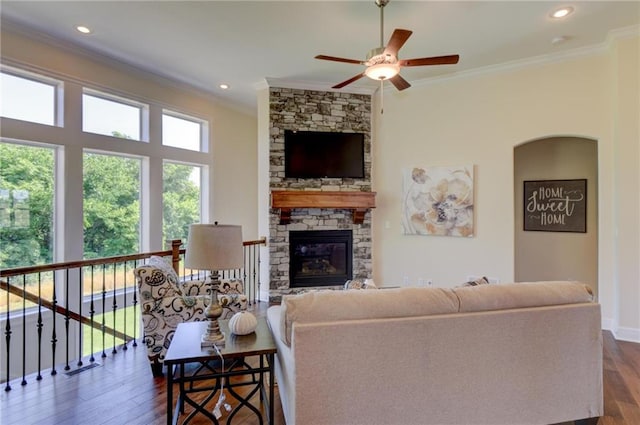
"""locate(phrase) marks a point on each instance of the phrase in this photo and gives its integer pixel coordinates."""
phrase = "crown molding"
(612, 36)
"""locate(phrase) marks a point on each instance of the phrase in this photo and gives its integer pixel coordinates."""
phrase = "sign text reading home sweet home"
(555, 205)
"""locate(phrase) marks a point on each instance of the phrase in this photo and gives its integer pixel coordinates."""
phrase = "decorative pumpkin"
(243, 323)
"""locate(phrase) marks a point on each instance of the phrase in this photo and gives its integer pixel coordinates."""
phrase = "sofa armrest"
(232, 303)
(161, 316)
(233, 286)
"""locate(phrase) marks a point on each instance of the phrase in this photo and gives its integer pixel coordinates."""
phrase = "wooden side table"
(208, 375)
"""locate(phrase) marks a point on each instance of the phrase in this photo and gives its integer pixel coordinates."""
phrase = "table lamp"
(214, 247)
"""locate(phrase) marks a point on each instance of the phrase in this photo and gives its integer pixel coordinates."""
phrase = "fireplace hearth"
(320, 257)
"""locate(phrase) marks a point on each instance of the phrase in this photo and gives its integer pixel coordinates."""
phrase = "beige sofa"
(522, 353)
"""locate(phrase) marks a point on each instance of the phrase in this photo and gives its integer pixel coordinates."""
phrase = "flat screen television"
(318, 154)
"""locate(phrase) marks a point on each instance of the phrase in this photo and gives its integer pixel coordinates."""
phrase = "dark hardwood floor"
(122, 391)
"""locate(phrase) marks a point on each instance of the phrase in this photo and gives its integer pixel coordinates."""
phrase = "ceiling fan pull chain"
(381, 97)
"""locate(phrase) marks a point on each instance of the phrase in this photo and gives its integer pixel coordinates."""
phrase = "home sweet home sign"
(555, 205)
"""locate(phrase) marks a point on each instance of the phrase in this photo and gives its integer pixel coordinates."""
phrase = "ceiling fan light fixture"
(382, 71)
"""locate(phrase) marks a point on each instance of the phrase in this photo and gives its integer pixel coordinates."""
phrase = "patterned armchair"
(165, 302)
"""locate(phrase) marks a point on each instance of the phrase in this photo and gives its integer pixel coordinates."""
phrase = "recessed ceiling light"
(562, 12)
(224, 86)
(83, 29)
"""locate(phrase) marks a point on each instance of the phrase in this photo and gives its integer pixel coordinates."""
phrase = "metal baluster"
(135, 306)
(39, 327)
(24, 330)
(80, 327)
(7, 334)
(246, 275)
(114, 307)
(66, 319)
(253, 272)
(92, 312)
(124, 302)
(257, 272)
(104, 301)
(54, 335)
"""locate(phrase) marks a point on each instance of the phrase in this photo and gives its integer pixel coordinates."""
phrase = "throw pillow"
(480, 281)
(161, 264)
(360, 284)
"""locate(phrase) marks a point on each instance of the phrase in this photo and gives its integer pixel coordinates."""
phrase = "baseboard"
(620, 333)
(627, 334)
(607, 324)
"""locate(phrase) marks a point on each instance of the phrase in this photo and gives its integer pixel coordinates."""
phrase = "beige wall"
(479, 118)
(232, 154)
(557, 255)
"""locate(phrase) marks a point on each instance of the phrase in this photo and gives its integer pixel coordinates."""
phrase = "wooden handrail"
(175, 253)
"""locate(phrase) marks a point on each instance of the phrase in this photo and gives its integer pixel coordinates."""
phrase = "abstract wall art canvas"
(438, 201)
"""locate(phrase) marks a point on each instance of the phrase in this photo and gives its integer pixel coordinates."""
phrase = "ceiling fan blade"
(399, 82)
(397, 40)
(349, 81)
(436, 60)
(335, 59)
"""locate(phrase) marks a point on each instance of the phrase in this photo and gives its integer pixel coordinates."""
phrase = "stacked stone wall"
(308, 110)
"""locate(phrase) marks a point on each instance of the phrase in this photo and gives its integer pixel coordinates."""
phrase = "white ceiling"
(241, 43)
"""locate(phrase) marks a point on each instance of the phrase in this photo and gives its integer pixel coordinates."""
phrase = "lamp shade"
(214, 247)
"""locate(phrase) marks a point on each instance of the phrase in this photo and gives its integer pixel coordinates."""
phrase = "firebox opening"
(320, 257)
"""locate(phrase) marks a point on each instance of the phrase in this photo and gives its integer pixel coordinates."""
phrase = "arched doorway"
(543, 255)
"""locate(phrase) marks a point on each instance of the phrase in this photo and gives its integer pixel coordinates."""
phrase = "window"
(26, 205)
(111, 190)
(26, 215)
(183, 132)
(31, 99)
(180, 199)
(111, 116)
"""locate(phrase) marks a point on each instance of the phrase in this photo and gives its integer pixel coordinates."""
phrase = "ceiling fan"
(382, 62)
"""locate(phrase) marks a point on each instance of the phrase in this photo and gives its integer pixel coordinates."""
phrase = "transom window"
(182, 131)
(112, 116)
(29, 98)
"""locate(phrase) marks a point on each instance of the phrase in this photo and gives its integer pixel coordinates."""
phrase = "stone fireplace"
(339, 206)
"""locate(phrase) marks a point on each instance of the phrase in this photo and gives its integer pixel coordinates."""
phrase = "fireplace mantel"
(287, 200)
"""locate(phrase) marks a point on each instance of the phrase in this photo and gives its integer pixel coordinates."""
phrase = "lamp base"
(207, 342)
(212, 335)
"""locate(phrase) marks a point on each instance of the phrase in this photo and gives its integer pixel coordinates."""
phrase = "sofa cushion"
(322, 306)
(480, 281)
(521, 295)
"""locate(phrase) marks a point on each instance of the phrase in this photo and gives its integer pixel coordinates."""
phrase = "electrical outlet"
(424, 282)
